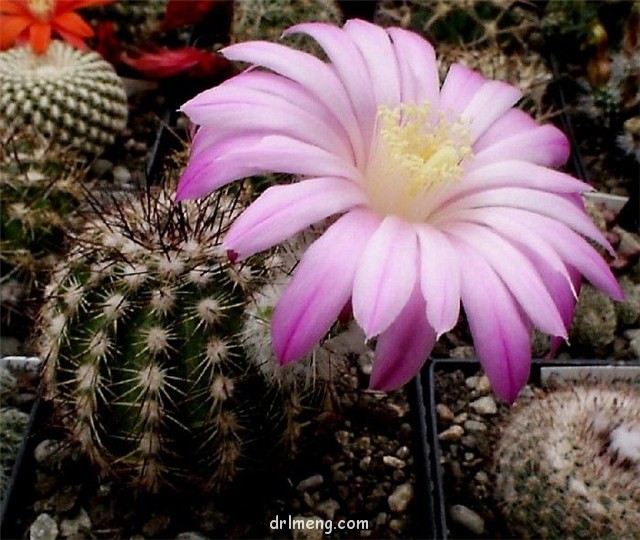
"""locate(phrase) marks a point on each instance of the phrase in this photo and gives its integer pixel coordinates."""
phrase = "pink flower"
(446, 195)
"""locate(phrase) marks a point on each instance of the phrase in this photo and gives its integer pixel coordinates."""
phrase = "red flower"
(169, 62)
(36, 20)
(182, 12)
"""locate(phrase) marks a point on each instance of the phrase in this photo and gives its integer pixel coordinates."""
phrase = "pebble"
(365, 364)
(451, 434)
(474, 426)
(342, 437)
(400, 498)
(339, 477)
(485, 405)
(467, 518)
(190, 535)
(101, 166)
(471, 382)
(311, 531)
(328, 508)
(634, 340)
(482, 478)
(365, 463)
(397, 525)
(381, 519)
(483, 385)
(392, 461)
(43, 528)
(362, 444)
(311, 483)
(403, 452)
(80, 524)
(461, 418)
(444, 413)
(51, 451)
(121, 174)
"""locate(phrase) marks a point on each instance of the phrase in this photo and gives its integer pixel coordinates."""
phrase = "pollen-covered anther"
(157, 340)
(420, 150)
(114, 307)
(221, 388)
(217, 351)
(152, 378)
(163, 300)
(209, 310)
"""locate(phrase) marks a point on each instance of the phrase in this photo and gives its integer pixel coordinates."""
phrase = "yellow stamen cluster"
(416, 150)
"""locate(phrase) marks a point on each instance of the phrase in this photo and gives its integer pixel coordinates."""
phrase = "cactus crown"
(73, 97)
(140, 346)
(568, 464)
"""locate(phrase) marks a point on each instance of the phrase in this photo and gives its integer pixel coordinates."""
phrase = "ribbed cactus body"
(568, 464)
(73, 97)
(141, 350)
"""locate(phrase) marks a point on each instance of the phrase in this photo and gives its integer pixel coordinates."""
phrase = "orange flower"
(35, 20)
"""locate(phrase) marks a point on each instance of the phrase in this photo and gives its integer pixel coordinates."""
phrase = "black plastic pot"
(423, 398)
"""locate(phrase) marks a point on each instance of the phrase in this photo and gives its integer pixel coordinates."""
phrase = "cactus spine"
(141, 352)
(568, 464)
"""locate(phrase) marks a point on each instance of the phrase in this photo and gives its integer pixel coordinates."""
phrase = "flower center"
(415, 154)
(41, 9)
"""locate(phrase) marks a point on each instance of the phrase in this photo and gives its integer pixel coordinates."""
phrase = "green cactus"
(267, 19)
(568, 464)
(73, 97)
(470, 22)
(141, 347)
(40, 186)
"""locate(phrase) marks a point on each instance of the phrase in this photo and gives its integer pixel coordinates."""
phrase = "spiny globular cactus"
(568, 464)
(40, 187)
(74, 97)
(141, 350)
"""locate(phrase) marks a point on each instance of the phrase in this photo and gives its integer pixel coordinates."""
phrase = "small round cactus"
(568, 464)
(71, 96)
(141, 347)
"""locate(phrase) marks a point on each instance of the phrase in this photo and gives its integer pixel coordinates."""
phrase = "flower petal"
(10, 28)
(73, 24)
(501, 336)
(386, 275)
(282, 211)
(321, 286)
(513, 122)
(310, 72)
(546, 204)
(458, 88)
(378, 54)
(488, 104)
(543, 145)
(39, 37)
(419, 79)
(245, 156)
(231, 119)
(517, 273)
(404, 347)
(573, 249)
(350, 67)
(440, 279)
